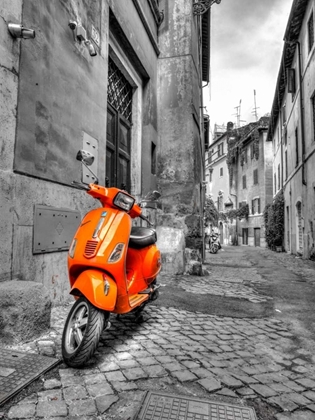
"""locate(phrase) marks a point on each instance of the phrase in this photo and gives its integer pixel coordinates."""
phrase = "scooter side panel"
(151, 263)
(135, 279)
(91, 284)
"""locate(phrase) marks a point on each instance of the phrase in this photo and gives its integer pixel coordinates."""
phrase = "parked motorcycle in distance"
(112, 267)
(214, 243)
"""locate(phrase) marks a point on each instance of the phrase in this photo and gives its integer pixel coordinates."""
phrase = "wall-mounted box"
(54, 228)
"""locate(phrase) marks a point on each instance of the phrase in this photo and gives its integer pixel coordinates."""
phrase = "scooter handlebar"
(146, 219)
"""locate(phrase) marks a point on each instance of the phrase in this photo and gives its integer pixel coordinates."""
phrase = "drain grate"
(158, 405)
(17, 370)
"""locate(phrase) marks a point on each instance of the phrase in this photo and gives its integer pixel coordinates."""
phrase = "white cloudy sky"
(246, 47)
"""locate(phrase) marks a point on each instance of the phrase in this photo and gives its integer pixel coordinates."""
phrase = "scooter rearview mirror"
(85, 157)
(152, 195)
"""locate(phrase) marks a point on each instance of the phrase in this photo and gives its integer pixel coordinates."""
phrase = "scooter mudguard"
(97, 287)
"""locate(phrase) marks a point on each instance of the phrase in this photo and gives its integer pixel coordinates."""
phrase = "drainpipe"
(302, 112)
(202, 141)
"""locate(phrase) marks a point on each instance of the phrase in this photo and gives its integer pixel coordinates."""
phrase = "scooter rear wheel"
(81, 334)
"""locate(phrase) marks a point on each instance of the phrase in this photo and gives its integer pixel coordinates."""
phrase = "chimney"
(229, 126)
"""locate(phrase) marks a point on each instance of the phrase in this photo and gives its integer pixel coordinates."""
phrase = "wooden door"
(257, 236)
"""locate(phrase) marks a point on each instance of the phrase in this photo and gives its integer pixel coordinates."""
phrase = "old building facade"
(218, 186)
(250, 169)
(121, 81)
(292, 130)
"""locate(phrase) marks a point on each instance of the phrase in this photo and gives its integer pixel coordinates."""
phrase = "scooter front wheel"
(81, 334)
(214, 248)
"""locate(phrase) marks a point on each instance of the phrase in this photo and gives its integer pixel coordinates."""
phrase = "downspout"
(202, 141)
(302, 113)
(283, 129)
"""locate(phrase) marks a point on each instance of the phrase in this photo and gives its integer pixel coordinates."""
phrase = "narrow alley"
(242, 335)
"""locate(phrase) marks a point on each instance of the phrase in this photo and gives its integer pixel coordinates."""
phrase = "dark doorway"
(257, 236)
(245, 236)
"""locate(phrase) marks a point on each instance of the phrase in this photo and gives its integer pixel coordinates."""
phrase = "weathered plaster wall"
(49, 98)
(47, 141)
(262, 190)
(180, 154)
(295, 190)
(62, 91)
(10, 11)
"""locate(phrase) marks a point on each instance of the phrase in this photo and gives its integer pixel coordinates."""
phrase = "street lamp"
(202, 6)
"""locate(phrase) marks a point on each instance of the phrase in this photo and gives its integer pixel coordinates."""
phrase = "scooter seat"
(141, 237)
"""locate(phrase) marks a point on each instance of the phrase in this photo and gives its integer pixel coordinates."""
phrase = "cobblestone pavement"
(242, 361)
(235, 282)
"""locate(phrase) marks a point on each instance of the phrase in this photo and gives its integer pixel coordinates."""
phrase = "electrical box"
(54, 228)
(81, 33)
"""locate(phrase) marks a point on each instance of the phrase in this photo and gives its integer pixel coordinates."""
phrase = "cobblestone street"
(256, 361)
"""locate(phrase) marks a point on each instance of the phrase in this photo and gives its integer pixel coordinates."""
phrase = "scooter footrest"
(149, 289)
(145, 291)
(137, 299)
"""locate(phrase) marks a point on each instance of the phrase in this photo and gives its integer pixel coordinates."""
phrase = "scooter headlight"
(72, 248)
(124, 201)
(116, 254)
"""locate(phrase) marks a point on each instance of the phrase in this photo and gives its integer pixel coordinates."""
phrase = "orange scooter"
(112, 267)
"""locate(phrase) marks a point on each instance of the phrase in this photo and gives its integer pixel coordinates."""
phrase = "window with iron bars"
(119, 93)
(118, 134)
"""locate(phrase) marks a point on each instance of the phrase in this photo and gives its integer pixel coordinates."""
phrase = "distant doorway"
(257, 236)
(221, 233)
(245, 236)
(299, 229)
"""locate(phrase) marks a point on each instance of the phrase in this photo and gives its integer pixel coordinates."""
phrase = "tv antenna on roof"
(238, 114)
(255, 107)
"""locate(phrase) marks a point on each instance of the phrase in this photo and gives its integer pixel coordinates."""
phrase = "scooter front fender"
(97, 287)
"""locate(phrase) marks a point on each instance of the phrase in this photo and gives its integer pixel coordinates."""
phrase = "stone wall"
(180, 152)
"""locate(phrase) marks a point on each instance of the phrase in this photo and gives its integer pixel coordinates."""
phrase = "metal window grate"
(119, 91)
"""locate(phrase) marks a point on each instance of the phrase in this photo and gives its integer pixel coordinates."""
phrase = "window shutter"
(258, 205)
(253, 206)
(255, 176)
(291, 80)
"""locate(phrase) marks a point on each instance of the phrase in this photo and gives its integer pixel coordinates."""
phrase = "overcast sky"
(246, 47)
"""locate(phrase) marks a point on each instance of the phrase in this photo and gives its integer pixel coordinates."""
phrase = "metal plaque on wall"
(54, 228)
(91, 145)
